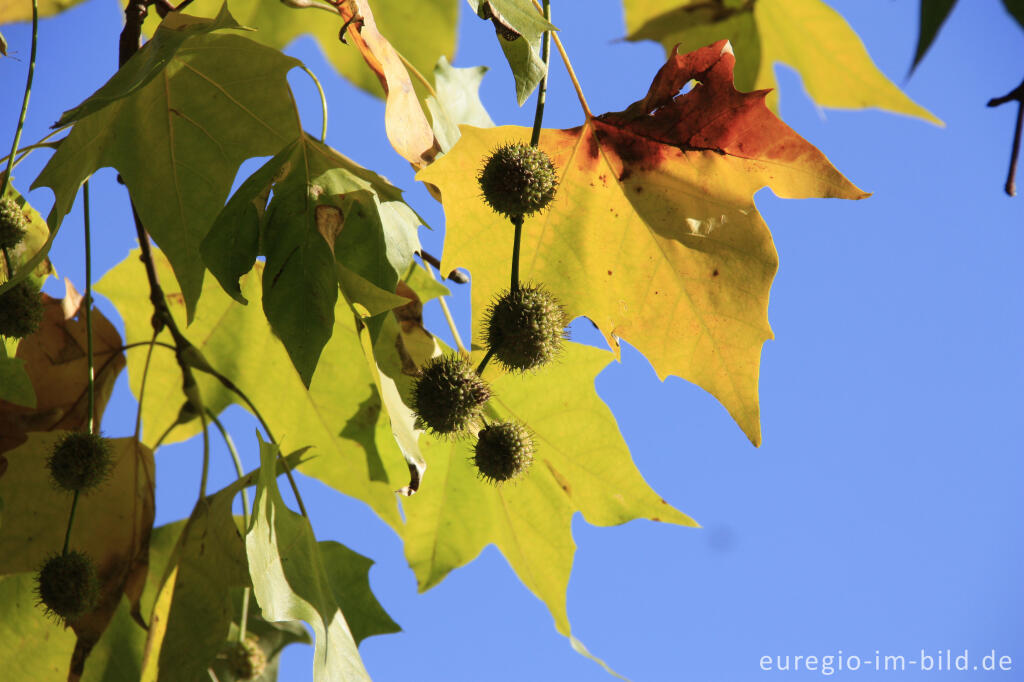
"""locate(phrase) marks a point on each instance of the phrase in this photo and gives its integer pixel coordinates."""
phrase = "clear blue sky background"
(884, 510)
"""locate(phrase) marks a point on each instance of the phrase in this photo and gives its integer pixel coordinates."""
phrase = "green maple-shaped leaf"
(326, 212)
(808, 35)
(339, 415)
(519, 27)
(176, 121)
(457, 102)
(581, 464)
(290, 578)
(421, 31)
(653, 234)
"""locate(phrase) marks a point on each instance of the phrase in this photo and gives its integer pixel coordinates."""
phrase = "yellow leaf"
(653, 234)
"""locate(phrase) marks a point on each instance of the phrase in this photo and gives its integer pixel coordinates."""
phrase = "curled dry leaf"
(406, 124)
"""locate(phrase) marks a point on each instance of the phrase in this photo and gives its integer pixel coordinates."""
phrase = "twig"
(518, 222)
(568, 68)
(456, 276)
(448, 315)
(24, 104)
(1015, 95)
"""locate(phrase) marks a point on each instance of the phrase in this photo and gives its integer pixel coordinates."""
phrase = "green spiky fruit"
(449, 395)
(247, 660)
(526, 328)
(503, 452)
(21, 310)
(518, 180)
(80, 461)
(12, 224)
(67, 585)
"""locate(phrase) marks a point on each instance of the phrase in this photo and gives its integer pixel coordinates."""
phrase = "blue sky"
(884, 511)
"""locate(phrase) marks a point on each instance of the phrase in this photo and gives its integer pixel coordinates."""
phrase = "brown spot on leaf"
(715, 273)
(609, 273)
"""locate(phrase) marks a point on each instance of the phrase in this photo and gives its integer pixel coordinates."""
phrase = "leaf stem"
(447, 313)
(88, 309)
(416, 72)
(542, 89)
(323, 102)
(24, 101)
(206, 456)
(568, 68)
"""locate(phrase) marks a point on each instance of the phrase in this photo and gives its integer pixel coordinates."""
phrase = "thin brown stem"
(568, 68)
(1015, 95)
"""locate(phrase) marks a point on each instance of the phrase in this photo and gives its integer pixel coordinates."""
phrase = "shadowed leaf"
(933, 15)
(56, 363)
(112, 525)
(325, 208)
(290, 579)
(457, 102)
(262, 369)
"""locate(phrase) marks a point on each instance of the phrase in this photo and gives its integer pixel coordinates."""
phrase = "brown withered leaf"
(407, 127)
(56, 361)
(112, 525)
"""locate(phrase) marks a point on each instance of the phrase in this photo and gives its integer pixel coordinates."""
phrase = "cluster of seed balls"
(67, 584)
(21, 307)
(525, 329)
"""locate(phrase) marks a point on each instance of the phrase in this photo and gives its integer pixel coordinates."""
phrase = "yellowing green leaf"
(326, 211)
(581, 464)
(807, 35)
(176, 122)
(290, 580)
(653, 234)
(356, 458)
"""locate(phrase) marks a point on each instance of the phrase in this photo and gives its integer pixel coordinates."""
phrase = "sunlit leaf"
(581, 464)
(422, 31)
(457, 102)
(653, 234)
(290, 579)
(176, 122)
(807, 35)
(518, 27)
(12, 11)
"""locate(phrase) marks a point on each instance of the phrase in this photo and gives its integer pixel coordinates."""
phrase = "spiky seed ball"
(247, 660)
(80, 461)
(518, 180)
(449, 395)
(21, 310)
(526, 327)
(503, 451)
(12, 224)
(67, 585)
